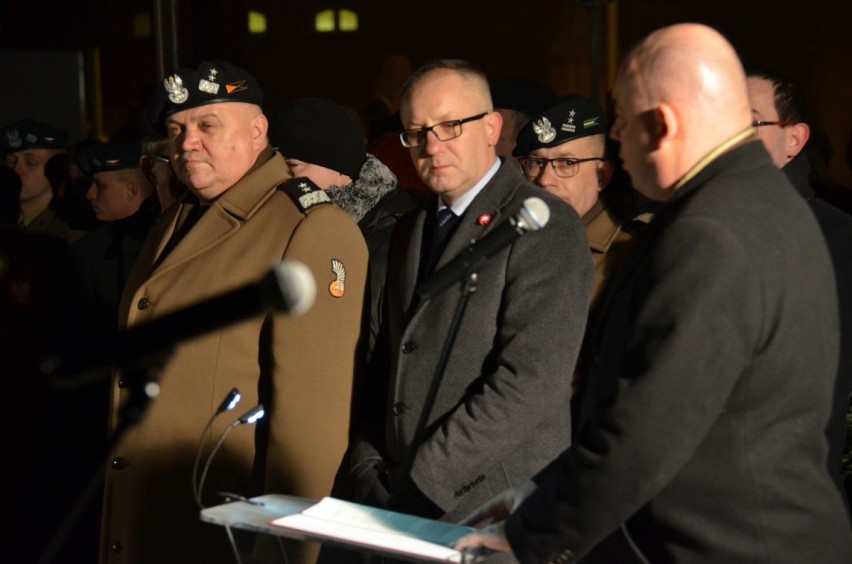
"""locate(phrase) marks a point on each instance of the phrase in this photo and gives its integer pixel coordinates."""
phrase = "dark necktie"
(445, 221)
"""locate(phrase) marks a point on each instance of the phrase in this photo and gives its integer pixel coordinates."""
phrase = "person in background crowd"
(324, 142)
(702, 433)
(156, 167)
(517, 100)
(778, 111)
(29, 145)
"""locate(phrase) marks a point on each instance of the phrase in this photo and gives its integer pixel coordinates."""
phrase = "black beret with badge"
(212, 82)
(102, 157)
(572, 117)
(32, 134)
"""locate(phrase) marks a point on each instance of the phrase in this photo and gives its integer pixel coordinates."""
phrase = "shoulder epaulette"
(305, 193)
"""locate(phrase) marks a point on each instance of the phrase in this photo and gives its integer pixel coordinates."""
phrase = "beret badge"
(14, 138)
(174, 86)
(544, 130)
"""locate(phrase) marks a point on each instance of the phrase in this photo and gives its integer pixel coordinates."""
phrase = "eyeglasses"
(443, 131)
(563, 167)
(779, 123)
(159, 158)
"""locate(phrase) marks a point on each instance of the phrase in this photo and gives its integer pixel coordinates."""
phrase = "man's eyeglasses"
(779, 123)
(563, 167)
(444, 131)
(159, 158)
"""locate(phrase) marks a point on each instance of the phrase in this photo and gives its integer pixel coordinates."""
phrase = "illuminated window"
(325, 20)
(256, 22)
(141, 26)
(348, 20)
(339, 20)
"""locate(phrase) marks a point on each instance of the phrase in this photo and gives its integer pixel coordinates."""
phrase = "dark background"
(550, 40)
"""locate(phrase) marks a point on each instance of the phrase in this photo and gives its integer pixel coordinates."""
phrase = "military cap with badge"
(31, 134)
(572, 117)
(211, 82)
(102, 157)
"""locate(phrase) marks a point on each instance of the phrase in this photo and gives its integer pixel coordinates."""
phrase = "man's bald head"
(688, 83)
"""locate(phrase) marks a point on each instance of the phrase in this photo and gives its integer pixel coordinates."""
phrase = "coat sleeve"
(315, 357)
(541, 319)
(696, 299)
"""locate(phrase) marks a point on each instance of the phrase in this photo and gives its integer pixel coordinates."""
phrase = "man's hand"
(494, 514)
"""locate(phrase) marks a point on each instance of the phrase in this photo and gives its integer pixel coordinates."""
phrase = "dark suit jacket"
(836, 227)
(502, 410)
(702, 427)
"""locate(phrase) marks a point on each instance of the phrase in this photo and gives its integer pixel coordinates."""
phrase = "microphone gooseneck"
(228, 403)
(248, 418)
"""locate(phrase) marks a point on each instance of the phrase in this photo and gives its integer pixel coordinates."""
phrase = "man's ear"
(797, 137)
(146, 165)
(259, 129)
(605, 172)
(493, 125)
(664, 124)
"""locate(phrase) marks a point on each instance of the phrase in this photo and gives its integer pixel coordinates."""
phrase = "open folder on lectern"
(369, 527)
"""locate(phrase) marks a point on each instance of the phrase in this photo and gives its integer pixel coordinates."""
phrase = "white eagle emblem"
(14, 138)
(174, 86)
(544, 130)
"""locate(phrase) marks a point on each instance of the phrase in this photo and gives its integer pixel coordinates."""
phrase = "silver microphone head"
(295, 289)
(534, 214)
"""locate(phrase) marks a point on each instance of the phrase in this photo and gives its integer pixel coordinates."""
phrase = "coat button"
(116, 547)
(122, 383)
(409, 347)
(143, 303)
(399, 408)
(119, 463)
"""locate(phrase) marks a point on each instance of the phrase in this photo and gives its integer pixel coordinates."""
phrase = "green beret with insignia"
(572, 117)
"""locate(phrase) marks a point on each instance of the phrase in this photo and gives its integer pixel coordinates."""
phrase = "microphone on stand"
(533, 215)
(228, 403)
(288, 288)
(248, 418)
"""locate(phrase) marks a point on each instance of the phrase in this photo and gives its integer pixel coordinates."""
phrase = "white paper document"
(371, 527)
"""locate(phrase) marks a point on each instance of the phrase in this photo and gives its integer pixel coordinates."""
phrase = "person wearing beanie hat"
(118, 186)
(563, 150)
(242, 213)
(324, 141)
(29, 145)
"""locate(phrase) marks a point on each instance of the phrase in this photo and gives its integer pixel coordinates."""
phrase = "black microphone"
(288, 287)
(533, 215)
(248, 418)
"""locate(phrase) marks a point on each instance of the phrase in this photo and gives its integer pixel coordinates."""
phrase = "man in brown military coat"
(239, 218)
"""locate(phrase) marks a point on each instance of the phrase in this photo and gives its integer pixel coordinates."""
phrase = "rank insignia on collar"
(544, 130)
(338, 286)
(174, 86)
(305, 193)
(14, 138)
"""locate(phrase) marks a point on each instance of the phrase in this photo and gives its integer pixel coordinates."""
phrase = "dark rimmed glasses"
(563, 167)
(779, 123)
(443, 131)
